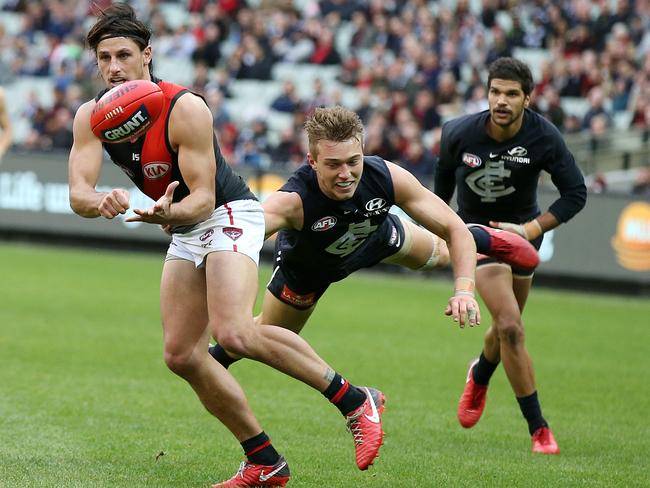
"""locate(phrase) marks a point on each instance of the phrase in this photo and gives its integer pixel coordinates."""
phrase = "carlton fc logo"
(472, 160)
(155, 170)
(326, 223)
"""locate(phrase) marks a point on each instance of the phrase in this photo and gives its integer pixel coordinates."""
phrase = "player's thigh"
(521, 286)
(276, 312)
(231, 283)
(182, 305)
(418, 248)
(494, 283)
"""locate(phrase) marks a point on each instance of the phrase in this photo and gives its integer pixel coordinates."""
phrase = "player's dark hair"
(333, 124)
(513, 70)
(119, 20)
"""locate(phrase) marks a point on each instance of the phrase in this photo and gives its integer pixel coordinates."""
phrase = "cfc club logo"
(375, 204)
(326, 223)
(472, 160)
(155, 170)
(233, 232)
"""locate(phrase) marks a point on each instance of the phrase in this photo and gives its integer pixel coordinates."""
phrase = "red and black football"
(126, 111)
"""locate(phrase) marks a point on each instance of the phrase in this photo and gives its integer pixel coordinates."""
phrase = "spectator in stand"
(288, 101)
(596, 109)
(288, 153)
(220, 114)
(450, 103)
(419, 161)
(318, 97)
(250, 61)
(208, 48)
(425, 111)
(325, 51)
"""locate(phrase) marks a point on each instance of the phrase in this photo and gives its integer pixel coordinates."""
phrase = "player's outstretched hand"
(115, 202)
(159, 213)
(464, 309)
(529, 230)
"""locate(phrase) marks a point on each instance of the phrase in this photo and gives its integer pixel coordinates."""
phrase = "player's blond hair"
(336, 124)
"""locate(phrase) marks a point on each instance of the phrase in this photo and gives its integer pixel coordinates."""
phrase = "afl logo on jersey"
(472, 160)
(375, 204)
(155, 170)
(326, 223)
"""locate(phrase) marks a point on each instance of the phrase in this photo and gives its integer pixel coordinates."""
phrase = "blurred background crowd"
(406, 66)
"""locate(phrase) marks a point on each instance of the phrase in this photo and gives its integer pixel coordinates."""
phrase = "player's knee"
(179, 361)
(235, 342)
(511, 332)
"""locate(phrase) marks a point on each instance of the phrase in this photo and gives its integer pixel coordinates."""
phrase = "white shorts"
(236, 226)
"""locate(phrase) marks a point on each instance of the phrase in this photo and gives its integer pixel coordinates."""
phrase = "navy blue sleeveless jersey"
(152, 163)
(339, 237)
(498, 180)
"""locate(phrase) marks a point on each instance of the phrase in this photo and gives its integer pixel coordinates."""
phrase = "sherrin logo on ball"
(126, 111)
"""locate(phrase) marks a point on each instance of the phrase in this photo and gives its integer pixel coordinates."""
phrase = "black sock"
(483, 370)
(343, 395)
(220, 354)
(259, 450)
(532, 411)
(481, 238)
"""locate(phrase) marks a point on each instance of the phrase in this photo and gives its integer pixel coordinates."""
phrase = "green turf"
(86, 400)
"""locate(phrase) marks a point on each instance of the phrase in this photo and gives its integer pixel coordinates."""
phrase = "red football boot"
(544, 442)
(254, 475)
(472, 401)
(364, 424)
(511, 248)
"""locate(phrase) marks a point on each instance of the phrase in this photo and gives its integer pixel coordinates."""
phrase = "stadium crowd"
(413, 64)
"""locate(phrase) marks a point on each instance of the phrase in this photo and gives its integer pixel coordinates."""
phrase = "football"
(126, 111)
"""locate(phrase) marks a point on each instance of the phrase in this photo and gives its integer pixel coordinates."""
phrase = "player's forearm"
(462, 251)
(86, 202)
(196, 207)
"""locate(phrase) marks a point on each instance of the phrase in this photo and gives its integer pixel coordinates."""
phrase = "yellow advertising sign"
(632, 239)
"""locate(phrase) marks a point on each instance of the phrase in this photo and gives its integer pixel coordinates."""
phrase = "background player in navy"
(333, 219)
(494, 159)
(209, 279)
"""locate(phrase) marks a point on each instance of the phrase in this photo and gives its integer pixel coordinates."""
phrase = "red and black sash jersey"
(152, 163)
(339, 237)
(498, 180)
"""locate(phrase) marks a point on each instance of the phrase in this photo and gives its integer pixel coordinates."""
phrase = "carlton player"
(333, 217)
(209, 279)
(494, 158)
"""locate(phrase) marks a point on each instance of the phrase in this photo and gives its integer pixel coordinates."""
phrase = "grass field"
(86, 400)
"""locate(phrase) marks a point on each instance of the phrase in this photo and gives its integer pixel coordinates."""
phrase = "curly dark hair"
(513, 70)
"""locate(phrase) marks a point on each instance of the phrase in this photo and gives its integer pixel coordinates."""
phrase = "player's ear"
(526, 101)
(146, 55)
(311, 160)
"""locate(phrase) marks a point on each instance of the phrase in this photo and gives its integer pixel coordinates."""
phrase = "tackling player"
(333, 219)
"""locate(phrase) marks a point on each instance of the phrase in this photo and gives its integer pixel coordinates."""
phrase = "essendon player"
(494, 159)
(209, 278)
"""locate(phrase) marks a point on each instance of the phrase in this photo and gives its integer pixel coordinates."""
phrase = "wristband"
(464, 284)
(464, 292)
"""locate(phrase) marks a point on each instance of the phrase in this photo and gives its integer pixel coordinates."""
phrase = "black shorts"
(301, 288)
(519, 272)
